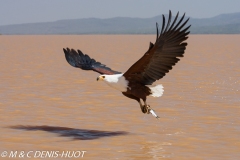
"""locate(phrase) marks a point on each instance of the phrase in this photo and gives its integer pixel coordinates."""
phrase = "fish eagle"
(136, 82)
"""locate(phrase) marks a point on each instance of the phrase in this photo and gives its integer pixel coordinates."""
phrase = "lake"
(48, 105)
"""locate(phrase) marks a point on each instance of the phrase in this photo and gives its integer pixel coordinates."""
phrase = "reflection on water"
(199, 109)
(76, 134)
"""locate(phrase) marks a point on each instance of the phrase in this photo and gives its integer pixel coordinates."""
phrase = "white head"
(109, 78)
(116, 81)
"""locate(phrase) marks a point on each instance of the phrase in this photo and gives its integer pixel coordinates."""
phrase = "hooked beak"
(100, 78)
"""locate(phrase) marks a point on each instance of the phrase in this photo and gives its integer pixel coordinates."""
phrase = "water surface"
(46, 104)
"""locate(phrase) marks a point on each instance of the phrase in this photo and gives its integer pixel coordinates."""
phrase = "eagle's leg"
(143, 108)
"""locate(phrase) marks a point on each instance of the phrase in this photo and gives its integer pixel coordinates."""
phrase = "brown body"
(137, 91)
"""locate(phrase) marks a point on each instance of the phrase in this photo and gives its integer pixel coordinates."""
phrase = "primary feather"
(83, 61)
(160, 57)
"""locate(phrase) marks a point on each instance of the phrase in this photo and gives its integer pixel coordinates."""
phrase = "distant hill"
(221, 24)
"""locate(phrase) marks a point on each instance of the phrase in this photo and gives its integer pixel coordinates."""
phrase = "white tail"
(157, 91)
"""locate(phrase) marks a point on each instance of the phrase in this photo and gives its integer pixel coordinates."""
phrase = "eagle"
(137, 82)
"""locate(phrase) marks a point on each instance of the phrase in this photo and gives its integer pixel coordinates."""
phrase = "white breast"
(117, 81)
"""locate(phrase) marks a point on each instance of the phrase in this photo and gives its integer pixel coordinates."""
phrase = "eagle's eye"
(103, 76)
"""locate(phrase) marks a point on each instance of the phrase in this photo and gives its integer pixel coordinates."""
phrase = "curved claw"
(144, 108)
(148, 109)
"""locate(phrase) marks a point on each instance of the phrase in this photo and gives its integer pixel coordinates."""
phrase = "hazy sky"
(27, 11)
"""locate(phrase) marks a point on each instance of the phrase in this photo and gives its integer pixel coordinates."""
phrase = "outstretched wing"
(83, 61)
(161, 56)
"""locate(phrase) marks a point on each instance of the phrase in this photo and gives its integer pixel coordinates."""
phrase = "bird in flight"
(136, 82)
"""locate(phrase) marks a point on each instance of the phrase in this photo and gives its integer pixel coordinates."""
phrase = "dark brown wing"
(160, 58)
(83, 61)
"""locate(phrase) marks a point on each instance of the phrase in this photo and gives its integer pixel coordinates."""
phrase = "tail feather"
(157, 91)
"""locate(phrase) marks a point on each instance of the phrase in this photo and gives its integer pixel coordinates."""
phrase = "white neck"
(116, 81)
(112, 78)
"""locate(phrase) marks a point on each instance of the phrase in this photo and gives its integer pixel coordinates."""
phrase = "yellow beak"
(100, 78)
